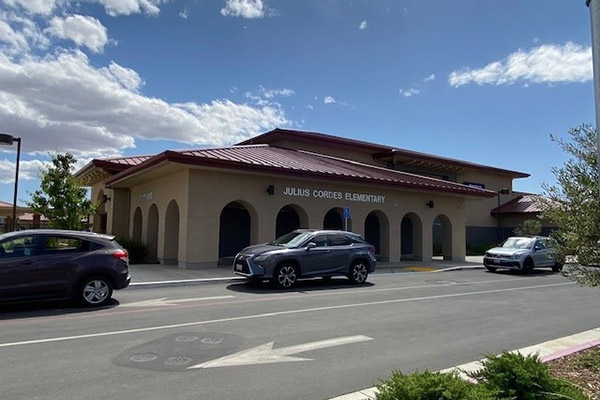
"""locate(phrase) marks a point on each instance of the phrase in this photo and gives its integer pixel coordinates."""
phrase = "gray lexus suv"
(305, 253)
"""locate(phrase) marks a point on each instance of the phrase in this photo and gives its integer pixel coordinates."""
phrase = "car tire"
(491, 269)
(286, 276)
(95, 291)
(358, 272)
(557, 267)
(528, 266)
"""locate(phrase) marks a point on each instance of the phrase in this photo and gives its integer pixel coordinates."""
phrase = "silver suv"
(305, 253)
(523, 253)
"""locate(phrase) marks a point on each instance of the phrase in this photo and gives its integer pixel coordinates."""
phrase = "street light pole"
(9, 140)
(594, 6)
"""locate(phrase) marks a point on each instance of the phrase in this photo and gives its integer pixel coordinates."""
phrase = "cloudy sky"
(482, 81)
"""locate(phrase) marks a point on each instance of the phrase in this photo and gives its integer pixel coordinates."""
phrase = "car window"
(63, 245)
(23, 246)
(338, 240)
(320, 240)
(540, 245)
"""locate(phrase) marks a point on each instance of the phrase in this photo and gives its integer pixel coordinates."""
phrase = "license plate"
(238, 267)
(496, 261)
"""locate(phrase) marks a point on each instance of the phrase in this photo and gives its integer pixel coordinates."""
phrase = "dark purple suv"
(47, 263)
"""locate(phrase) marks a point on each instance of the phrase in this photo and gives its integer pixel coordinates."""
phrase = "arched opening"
(171, 249)
(290, 217)
(334, 220)
(411, 239)
(100, 217)
(235, 229)
(152, 234)
(377, 233)
(137, 225)
(442, 237)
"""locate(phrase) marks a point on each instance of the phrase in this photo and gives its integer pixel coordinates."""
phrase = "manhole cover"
(178, 360)
(144, 357)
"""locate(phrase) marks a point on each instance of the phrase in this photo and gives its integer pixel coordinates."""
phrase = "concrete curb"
(181, 282)
(459, 268)
(547, 351)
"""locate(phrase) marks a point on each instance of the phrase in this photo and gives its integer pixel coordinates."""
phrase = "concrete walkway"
(149, 275)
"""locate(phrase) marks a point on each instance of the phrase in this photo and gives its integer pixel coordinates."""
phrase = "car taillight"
(121, 254)
(372, 249)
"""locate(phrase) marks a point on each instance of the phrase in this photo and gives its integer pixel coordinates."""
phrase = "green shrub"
(518, 377)
(138, 252)
(431, 386)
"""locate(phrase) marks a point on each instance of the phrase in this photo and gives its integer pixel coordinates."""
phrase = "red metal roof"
(270, 159)
(523, 204)
(379, 151)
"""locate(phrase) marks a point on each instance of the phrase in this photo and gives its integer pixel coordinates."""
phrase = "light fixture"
(429, 204)
(271, 189)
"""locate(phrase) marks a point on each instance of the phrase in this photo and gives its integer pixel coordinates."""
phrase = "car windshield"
(518, 243)
(297, 240)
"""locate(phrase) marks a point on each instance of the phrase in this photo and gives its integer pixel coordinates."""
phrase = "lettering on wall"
(334, 195)
(146, 196)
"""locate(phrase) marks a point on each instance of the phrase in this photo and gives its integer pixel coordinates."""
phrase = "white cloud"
(28, 170)
(128, 7)
(328, 100)
(544, 64)
(44, 7)
(83, 30)
(184, 13)
(409, 92)
(244, 8)
(18, 34)
(429, 78)
(62, 103)
(363, 25)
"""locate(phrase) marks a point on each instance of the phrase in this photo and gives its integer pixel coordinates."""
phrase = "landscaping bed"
(581, 368)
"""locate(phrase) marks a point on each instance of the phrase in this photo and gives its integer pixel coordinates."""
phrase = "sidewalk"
(150, 275)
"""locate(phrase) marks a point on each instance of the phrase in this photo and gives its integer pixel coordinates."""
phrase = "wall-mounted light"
(271, 189)
(429, 204)
(105, 198)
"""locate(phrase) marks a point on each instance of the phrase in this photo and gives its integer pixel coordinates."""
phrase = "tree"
(573, 204)
(60, 198)
(529, 227)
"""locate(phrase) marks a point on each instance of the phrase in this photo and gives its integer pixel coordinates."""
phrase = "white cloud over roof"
(244, 8)
(547, 63)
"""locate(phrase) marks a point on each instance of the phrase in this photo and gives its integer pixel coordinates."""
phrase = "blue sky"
(481, 81)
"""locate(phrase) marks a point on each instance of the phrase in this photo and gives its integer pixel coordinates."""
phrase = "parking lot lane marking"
(161, 302)
(277, 313)
(265, 354)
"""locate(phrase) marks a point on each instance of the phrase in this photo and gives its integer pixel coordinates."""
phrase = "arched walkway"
(171, 249)
(137, 225)
(334, 220)
(442, 237)
(152, 234)
(377, 233)
(290, 217)
(411, 237)
(235, 230)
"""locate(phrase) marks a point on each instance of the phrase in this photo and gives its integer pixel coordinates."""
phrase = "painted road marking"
(161, 302)
(275, 314)
(264, 354)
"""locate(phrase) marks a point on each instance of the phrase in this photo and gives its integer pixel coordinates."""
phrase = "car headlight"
(260, 258)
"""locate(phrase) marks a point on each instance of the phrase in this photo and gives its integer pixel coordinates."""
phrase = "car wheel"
(286, 276)
(557, 267)
(358, 272)
(527, 266)
(492, 269)
(95, 291)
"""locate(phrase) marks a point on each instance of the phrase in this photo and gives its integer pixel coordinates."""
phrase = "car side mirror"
(311, 245)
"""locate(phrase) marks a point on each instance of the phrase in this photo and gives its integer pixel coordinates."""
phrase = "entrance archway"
(171, 249)
(442, 237)
(334, 220)
(137, 225)
(377, 233)
(100, 217)
(290, 217)
(411, 238)
(235, 230)
(152, 234)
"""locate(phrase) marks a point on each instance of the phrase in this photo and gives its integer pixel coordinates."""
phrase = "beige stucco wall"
(478, 211)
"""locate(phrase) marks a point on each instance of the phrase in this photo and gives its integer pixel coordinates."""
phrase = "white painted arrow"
(265, 354)
(164, 302)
